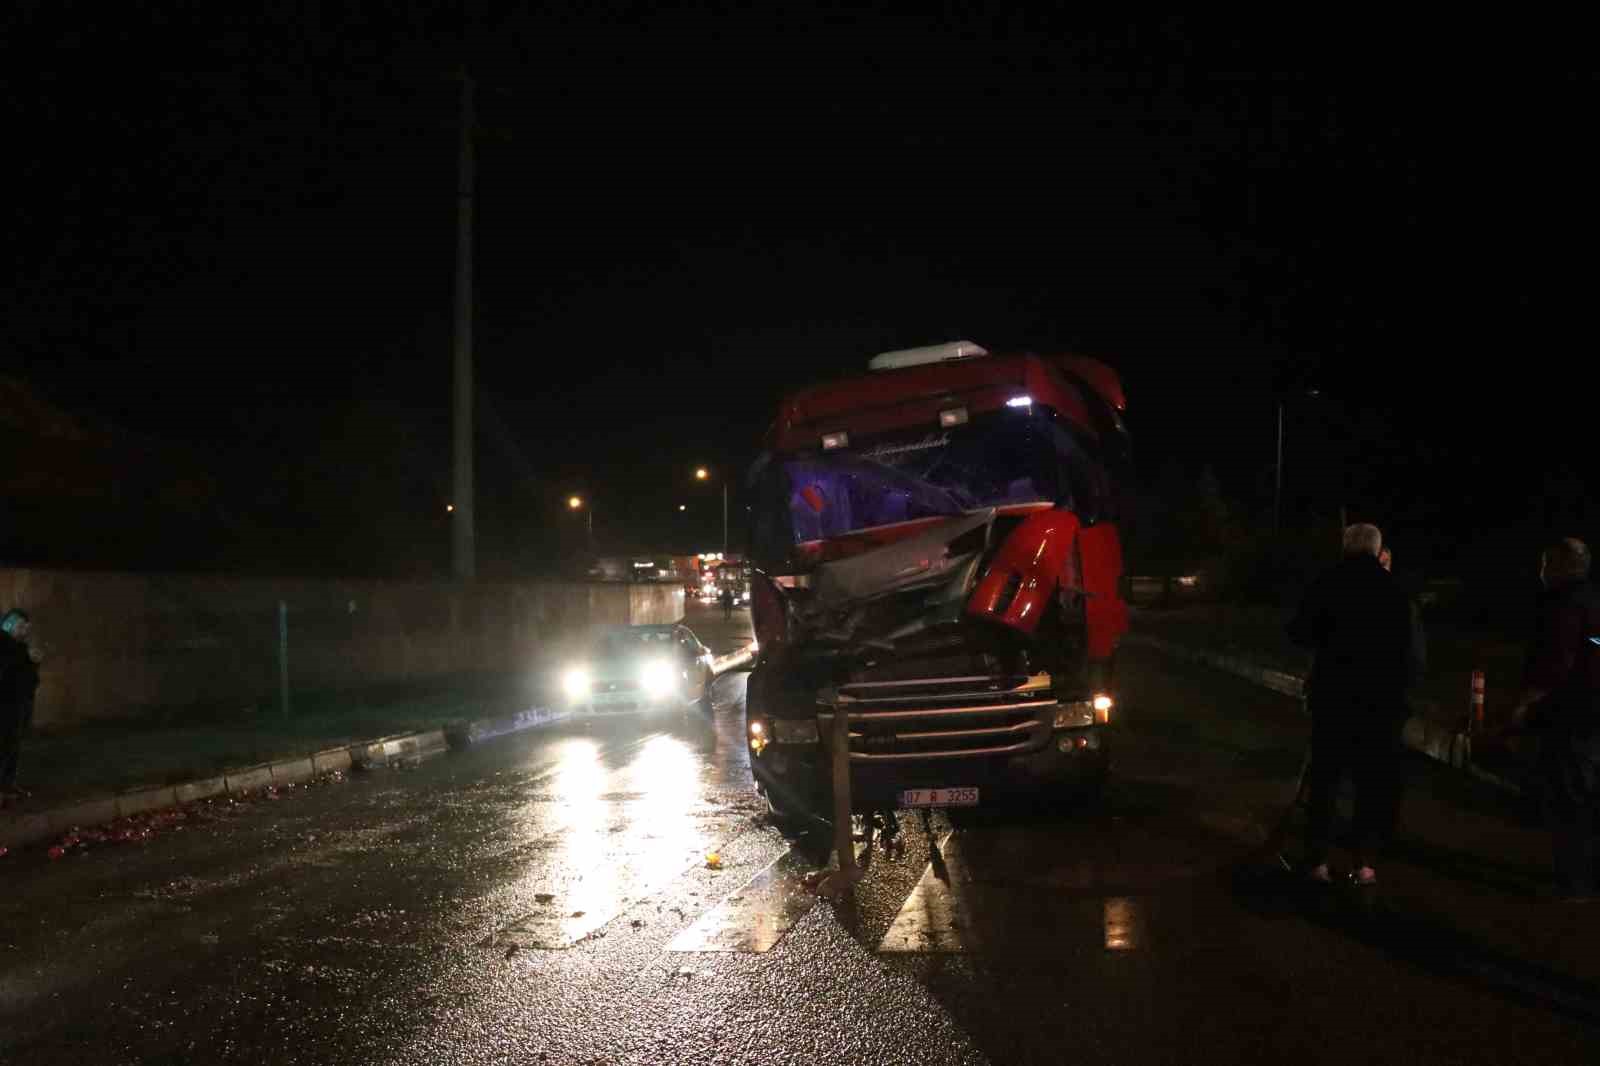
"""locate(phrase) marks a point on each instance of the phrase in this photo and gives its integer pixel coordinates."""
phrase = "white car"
(640, 669)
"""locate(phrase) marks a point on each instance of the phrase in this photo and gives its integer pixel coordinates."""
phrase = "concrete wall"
(125, 645)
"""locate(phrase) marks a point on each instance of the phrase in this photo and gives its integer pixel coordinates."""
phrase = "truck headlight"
(794, 730)
(575, 682)
(656, 679)
(1078, 715)
(1102, 707)
(1075, 715)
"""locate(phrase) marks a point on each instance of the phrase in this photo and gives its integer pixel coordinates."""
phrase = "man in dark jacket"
(1358, 621)
(19, 679)
(1560, 702)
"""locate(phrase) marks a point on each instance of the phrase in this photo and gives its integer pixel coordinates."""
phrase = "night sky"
(236, 233)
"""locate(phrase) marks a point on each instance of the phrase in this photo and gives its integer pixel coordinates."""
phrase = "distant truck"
(735, 577)
(935, 554)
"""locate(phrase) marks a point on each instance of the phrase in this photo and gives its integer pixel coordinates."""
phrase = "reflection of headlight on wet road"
(656, 678)
(575, 682)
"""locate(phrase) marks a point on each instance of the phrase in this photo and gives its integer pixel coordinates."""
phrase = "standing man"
(1358, 621)
(19, 680)
(1560, 701)
(727, 603)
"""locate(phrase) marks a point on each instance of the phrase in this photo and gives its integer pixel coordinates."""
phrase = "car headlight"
(575, 682)
(656, 678)
(794, 730)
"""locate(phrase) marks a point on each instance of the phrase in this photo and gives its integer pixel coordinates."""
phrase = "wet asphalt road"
(546, 898)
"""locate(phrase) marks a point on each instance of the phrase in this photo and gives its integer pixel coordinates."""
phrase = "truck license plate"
(939, 797)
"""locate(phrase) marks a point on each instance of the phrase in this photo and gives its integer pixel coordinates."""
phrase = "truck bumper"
(799, 776)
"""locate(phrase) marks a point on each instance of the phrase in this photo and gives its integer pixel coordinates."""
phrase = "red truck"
(935, 554)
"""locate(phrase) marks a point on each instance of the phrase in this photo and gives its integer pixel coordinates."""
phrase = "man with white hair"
(1561, 702)
(1357, 619)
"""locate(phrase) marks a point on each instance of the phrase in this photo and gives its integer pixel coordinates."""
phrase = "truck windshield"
(998, 461)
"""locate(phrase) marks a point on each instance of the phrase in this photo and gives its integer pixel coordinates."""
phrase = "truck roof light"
(955, 416)
(936, 353)
(830, 441)
(1020, 401)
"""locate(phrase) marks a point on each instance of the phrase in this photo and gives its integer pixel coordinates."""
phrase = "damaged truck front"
(936, 557)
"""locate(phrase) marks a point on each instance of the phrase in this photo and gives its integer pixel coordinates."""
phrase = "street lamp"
(576, 503)
(703, 474)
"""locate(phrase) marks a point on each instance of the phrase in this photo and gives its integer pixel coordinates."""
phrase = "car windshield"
(621, 644)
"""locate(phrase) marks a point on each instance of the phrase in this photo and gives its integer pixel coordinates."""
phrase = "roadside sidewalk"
(108, 771)
(1466, 882)
(1257, 634)
(1250, 643)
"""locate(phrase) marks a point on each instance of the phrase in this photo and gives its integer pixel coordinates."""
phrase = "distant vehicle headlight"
(656, 678)
(575, 682)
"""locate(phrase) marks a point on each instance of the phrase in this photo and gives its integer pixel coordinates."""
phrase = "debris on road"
(543, 897)
(512, 950)
(713, 860)
(141, 827)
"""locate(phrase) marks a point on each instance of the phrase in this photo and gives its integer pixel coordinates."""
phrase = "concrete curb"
(398, 750)
(1421, 735)
(32, 827)
(467, 734)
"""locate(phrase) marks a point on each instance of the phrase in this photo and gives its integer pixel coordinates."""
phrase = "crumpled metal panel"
(921, 559)
(1026, 571)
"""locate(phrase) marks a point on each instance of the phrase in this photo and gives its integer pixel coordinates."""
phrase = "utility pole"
(724, 516)
(1277, 476)
(463, 532)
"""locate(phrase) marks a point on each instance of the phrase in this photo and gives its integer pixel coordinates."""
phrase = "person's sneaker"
(1319, 875)
(1365, 877)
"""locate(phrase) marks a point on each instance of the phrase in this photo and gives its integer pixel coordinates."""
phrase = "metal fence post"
(283, 657)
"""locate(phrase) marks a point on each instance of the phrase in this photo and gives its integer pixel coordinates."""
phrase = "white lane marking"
(755, 917)
(932, 918)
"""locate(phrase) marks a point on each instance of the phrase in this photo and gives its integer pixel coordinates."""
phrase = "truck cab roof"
(925, 386)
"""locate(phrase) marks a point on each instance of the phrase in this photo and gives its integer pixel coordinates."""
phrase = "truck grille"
(943, 718)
